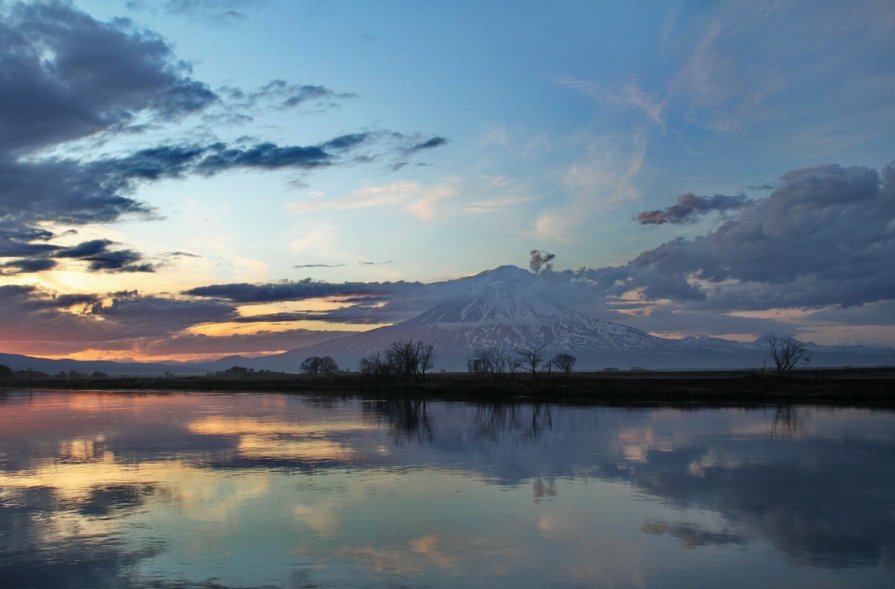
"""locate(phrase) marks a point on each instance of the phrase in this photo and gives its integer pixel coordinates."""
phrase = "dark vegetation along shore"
(872, 387)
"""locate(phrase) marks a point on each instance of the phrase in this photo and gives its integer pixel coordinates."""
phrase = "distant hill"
(52, 367)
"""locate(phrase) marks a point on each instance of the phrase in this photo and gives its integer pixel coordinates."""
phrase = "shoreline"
(873, 387)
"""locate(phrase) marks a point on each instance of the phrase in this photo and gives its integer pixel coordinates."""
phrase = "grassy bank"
(863, 387)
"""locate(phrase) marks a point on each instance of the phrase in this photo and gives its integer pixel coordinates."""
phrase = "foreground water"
(262, 490)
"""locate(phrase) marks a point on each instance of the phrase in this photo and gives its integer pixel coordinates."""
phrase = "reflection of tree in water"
(787, 423)
(408, 419)
(494, 420)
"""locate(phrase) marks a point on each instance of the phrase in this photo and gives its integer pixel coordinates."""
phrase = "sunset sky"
(187, 179)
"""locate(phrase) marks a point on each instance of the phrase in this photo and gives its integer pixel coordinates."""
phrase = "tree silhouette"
(532, 359)
(786, 352)
(564, 362)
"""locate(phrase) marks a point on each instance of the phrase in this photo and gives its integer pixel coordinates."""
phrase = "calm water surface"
(262, 490)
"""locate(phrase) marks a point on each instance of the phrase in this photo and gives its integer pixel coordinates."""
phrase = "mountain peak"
(504, 273)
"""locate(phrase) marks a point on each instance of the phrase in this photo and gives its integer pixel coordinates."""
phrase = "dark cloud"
(263, 155)
(16, 240)
(64, 77)
(824, 237)
(118, 261)
(100, 258)
(298, 290)
(27, 266)
(427, 144)
(360, 313)
(346, 141)
(38, 321)
(318, 266)
(689, 206)
(148, 315)
(84, 249)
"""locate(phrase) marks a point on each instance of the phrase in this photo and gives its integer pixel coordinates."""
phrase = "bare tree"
(532, 359)
(564, 362)
(375, 365)
(408, 359)
(425, 358)
(491, 362)
(786, 352)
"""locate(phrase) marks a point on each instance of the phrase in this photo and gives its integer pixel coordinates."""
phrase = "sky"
(188, 179)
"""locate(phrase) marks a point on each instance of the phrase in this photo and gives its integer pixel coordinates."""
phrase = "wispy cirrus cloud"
(605, 177)
(623, 96)
(413, 198)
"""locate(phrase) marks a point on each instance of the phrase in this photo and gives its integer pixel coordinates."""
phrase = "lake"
(214, 491)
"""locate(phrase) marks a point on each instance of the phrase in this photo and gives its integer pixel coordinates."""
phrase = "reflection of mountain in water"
(821, 501)
(815, 484)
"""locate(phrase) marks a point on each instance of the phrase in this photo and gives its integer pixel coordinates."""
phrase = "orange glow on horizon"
(224, 329)
(91, 354)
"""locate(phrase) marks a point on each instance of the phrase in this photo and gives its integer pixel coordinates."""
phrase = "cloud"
(496, 205)
(27, 266)
(625, 96)
(603, 178)
(39, 321)
(819, 239)
(428, 144)
(298, 290)
(318, 265)
(281, 94)
(216, 12)
(416, 199)
(67, 80)
(84, 249)
(101, 258)
(690, 206)
(118, 261)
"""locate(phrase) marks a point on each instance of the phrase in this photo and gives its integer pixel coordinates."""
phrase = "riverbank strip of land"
(853, 387)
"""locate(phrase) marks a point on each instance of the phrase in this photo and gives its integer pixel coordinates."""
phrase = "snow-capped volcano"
(512, 309)
(502, 308)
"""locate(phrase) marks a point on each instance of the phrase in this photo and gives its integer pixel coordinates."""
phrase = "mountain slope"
(501, 308)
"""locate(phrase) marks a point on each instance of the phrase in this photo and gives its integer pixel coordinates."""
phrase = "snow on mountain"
(512, 309)
(503, 308)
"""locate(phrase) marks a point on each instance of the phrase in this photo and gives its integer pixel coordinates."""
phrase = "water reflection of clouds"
(309, 442)
(448, 502)
(411, 558)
